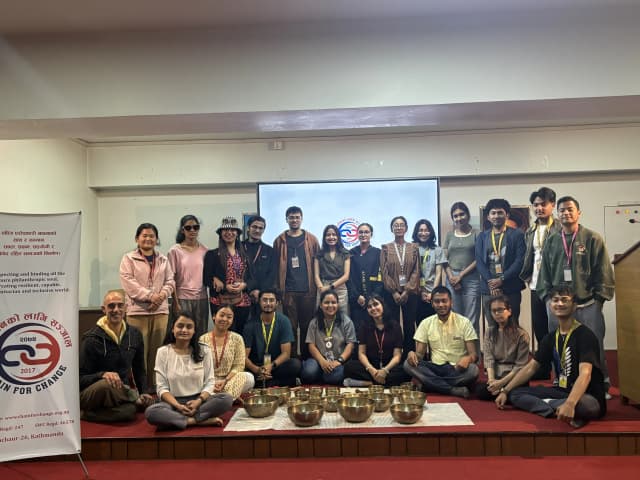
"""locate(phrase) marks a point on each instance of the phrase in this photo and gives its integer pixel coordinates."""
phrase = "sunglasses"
(188, 228)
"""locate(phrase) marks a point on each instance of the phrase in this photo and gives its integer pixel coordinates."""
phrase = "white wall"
(313, 66)
(50, 176)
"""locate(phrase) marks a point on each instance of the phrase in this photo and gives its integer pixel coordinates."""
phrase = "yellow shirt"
(446, 340)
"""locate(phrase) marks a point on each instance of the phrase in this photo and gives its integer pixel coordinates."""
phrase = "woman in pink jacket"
(147, 280)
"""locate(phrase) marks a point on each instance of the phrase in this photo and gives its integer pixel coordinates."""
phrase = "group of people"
(406, 311)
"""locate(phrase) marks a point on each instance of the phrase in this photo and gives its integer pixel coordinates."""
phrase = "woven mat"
(434, 415)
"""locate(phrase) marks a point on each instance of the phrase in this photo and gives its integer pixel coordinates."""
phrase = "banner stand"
(84, 466)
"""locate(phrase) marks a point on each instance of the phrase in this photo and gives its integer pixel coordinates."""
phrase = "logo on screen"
(349, 232)
(30, 352)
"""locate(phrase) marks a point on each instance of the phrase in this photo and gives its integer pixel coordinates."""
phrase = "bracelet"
(202, 399)
(386, 370)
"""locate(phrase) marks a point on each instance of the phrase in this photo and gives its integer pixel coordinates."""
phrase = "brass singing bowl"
(382, 401)
(283, 393)
(356, 409)
(406, 413)
(415, 397)
(260, 406)
(375, 389)
(331, 403)
(396, 390)
(305, 414)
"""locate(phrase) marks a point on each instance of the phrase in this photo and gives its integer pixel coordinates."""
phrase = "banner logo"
(349, 232)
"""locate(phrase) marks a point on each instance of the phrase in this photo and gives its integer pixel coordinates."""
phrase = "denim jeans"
(313, 374)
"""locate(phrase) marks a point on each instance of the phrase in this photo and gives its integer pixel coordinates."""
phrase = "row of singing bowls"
(283, 393)
(260, 406)
(355, 409)
(305, 414)
(406, 413)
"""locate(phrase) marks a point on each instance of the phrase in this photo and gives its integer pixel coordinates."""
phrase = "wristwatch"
(340, 360)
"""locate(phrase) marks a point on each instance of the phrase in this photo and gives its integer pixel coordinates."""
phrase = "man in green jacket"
(577, 256)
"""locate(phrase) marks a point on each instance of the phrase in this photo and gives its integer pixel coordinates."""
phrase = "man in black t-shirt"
(574, 352)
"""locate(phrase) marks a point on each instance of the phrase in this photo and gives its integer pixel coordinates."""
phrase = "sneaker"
(462, 392)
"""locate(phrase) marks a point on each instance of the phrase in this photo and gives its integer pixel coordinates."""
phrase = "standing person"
(228, 274)
(578, 257)
(543, 201)
(185, 379)
(229, 355)
(263, 260)
(186, 259)
(364, 276)
(379, 352)
(296, 249)
(506, 349)
(499, 258)
(330, 339)
(431, 261)
(331, 267)
(451, 341)
(573, 349)
(463, 279)
(147, 280)
(400, 270)
(268, 340)
(113, 380)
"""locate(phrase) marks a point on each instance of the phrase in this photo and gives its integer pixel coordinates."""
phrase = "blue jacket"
(512, 260)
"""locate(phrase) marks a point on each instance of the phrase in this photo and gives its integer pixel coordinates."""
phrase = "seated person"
(268, 340)
(185, 381)
(574, 351)
(506, 349)
(110, 352)
(379, 352)
(330, 339)
(450, 338)
(229, 355)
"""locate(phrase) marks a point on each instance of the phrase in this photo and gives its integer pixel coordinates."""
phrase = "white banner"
(39, 262)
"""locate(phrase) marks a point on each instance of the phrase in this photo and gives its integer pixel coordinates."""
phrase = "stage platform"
(494, 433)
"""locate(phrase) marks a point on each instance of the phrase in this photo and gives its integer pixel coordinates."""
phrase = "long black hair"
(180, 236)
(320, 314)
(339, 246)
(431, 241)
(387, 320)
(196, 350)
(511, 328)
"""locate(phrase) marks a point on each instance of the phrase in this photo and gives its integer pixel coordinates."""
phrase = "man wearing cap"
(296, 249)
(112, 367)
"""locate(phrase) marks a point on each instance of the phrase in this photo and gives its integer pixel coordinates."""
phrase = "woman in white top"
(185, 381)
(186, 258)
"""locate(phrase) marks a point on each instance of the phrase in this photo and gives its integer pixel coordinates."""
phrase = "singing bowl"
(415, 397)
(305, 414)
(260, 406)
(397, 390)
(375, 389)
(283, 393)
(406, 413)
(331, 403)
(355, 409)
(382, 401)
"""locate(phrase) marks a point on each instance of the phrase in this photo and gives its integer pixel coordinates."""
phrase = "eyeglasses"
(498, 311)
(188, 228)
(113, 305)
(364, 232)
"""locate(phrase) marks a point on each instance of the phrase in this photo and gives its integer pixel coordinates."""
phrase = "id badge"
(402, 280)
(567, 274)
(328, 342)
(267, 359)
(498, 268)
(295, 262)
(562, 381)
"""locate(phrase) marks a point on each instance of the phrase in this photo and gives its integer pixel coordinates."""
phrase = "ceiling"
(36, 17)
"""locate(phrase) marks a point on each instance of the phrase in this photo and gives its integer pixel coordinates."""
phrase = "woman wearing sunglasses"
(186, 258)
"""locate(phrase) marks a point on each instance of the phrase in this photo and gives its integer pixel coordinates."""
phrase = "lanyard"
(401, 258)
(215, 348)
(267, 339)
(425, 259)
(562, 355)
(498, 249)
(330, 329)
(379, 341)
(568, 250)
(540, 238)
(257, 254)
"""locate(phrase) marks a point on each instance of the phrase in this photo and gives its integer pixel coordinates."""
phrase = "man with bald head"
(112, 368)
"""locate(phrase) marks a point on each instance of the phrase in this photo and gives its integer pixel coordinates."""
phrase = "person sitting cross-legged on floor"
(450, 338)
(185, 381)
(112, 367)
(573, 350)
